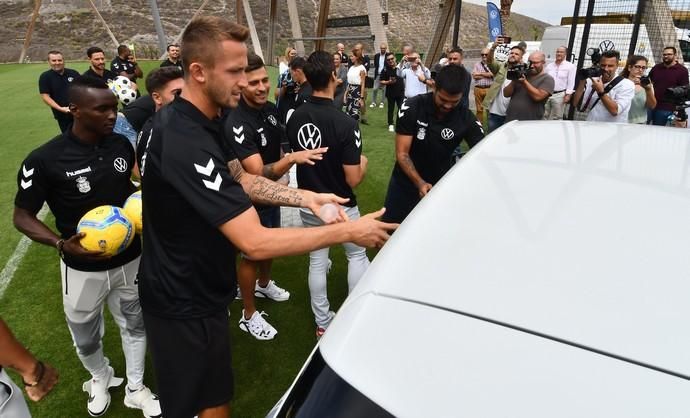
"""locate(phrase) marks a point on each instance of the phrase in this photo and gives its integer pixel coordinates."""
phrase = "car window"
(320, 392)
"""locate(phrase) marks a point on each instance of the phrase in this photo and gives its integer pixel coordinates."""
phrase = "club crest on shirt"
(421, 133)
(447, 134)
(264, 141)
(83, 184)
(309, 136)
(70, 79)
(120, 164)
(272, 119)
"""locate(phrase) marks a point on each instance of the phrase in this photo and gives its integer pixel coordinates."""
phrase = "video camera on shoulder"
(595, 69)
(518, 71)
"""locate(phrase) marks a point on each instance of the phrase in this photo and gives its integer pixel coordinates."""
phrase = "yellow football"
(107, 229)
(132, 208)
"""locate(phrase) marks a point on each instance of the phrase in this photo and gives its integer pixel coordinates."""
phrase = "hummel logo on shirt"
(207, 171)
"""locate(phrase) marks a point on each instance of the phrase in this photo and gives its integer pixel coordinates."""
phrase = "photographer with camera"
(529, 88)
(495, 101)
(644, 90)
(415, 77)
(606, 96)
(666, 74)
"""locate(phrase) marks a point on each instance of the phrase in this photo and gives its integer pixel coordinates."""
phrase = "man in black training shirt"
(53, 86)
(162, 84)
(197, 210)
(316, 124)
(125, 65)
(430, 126)
(255, 134)
(293, 97)
(173, 59)
(86, 167)
(395, 87)
(97, 65)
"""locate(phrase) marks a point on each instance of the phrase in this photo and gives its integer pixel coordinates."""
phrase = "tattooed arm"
(403, 143)
(266, 192)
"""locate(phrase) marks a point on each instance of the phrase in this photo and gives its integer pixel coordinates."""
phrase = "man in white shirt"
(563, 73)
(607, 97)
(415, 77)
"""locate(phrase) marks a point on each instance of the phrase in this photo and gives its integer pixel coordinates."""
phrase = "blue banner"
(495, 26)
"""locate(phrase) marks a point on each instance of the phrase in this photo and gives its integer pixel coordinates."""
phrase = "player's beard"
(220, 95)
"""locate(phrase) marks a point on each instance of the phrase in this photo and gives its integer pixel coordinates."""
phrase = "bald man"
(529, 93)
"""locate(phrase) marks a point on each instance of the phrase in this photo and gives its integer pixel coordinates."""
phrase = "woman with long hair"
(356, 79)
(644, 90)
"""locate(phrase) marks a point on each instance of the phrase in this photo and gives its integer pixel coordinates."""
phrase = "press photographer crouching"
(606, 96)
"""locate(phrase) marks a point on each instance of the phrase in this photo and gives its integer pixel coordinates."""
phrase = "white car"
(546, 275)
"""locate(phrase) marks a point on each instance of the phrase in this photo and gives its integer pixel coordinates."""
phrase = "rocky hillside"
(72, 26)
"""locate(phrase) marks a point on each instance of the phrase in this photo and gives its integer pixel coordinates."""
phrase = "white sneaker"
(145, 400)
(391, 128)
(99, 397)
(372, 105)
(381, 105)
(271, 291)
(257, 326)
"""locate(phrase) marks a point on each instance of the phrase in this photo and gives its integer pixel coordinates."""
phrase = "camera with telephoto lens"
(517, 71)
(595, 69)
(679, 96)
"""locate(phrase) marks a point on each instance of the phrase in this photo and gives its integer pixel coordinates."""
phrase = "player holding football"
(85, 167)
(255, 133)
(198, 212)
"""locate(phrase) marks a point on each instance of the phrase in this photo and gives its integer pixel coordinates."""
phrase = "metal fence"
(641, 27)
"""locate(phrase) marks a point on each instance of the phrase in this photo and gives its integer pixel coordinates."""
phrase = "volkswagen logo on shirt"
(309, 136)
(120, 164)
(447, 134)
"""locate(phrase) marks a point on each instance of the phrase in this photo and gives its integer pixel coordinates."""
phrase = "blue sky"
(549, 11)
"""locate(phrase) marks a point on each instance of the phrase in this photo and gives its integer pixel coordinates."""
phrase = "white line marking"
(16, 258)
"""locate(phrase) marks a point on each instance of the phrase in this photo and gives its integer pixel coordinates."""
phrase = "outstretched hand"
(321, 199)
(309, 156)
(370, 232)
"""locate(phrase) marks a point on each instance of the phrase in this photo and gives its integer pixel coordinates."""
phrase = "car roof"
(575, 232)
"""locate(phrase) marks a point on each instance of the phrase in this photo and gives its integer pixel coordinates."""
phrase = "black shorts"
(192, 363)
(401, 198)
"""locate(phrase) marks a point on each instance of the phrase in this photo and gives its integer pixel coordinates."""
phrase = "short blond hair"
(203, 34)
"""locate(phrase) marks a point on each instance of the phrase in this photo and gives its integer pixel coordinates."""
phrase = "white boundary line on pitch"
(16, 258)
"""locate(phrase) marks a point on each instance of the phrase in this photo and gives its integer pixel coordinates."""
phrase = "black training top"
(250, 131)
(56, 85)
(73, 178)
(107, 76)
(433, 140)
(168, 63)
(139, 111)
(318, 123)
(397, 89)
(188, 267)
(118, 65)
